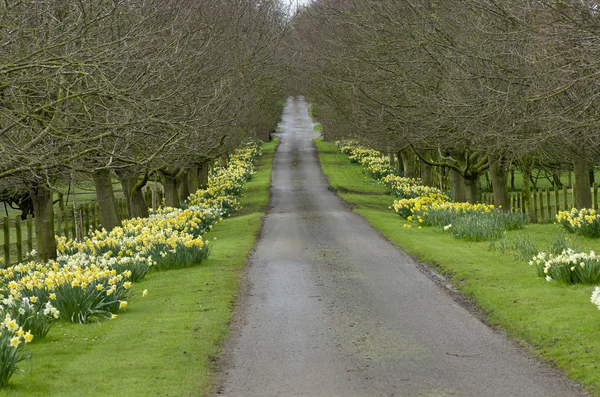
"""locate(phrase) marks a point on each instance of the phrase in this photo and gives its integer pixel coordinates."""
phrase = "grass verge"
(165, 344)
(554, 322)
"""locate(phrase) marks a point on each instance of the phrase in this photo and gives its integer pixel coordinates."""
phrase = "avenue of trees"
(467, 86)
(131, 89)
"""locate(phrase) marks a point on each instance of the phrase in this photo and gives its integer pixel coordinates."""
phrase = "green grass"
(164, 344)
(318, 127)
(553, 321)
(350, 178)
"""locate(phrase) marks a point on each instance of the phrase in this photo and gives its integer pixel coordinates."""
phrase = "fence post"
(154, 198)
(566, 198)
(65, 217)
(93, 216)
(541, 197)
(29, 233)
(6, 242)
(86, 212)
(79, 221)
(556, 200)
(540, 193)
(595, 194)
(59, 216)
(124, 209)
(61, 202)
(19, 239)
(73, 224)
(534, 196)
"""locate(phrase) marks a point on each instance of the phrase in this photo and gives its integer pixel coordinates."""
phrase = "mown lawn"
(165, 343)
(554, 322)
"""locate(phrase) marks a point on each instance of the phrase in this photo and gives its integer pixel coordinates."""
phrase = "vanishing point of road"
(330, 308)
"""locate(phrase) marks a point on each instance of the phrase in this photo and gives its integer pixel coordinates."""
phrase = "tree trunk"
(473, 188)
(498, 175)
(408, 161)
(203, 175)
(170, 188)
(126, 184)
(223, 160)
(138, 205)
(582, 183)
(527, 202)
(44, 222)
(107, 205)
(556, 179)
(426, 174)
(184, 187)
(512, 179)
(399, 165)
(193, 179)
(458, 187)
(132, 190)
(392, 159)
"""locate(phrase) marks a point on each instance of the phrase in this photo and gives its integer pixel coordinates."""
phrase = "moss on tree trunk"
(426, 174)
(472, 188)
(192, 179)
(184, 187)
(107, 205)
(527, 202)
(458, 186)
(44, 222)
(499, 178)
(132, 190)
(582, 183)
(408, 162)
(203, 175)
(170, 188)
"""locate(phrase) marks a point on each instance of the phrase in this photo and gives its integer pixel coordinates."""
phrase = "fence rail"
(546, 202)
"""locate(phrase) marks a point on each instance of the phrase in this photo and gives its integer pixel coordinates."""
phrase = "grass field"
(552, 321)
(165, 344)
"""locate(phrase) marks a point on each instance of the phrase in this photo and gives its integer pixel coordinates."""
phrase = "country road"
(330, 308)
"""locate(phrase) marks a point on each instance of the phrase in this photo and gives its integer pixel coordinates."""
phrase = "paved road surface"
(330, 308)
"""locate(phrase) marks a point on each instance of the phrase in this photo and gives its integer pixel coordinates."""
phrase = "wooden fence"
(546, 202)
(19, 237)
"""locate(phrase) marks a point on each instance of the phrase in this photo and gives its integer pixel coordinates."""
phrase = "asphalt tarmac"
(330, 308)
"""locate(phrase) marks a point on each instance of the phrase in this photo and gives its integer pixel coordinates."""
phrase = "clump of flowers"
(405, 188)
(31, 312)
(347, 146)
(13, 338)
(585, 222)
(570, 267)
(373, 161)
(595, 298)
(406, 208)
